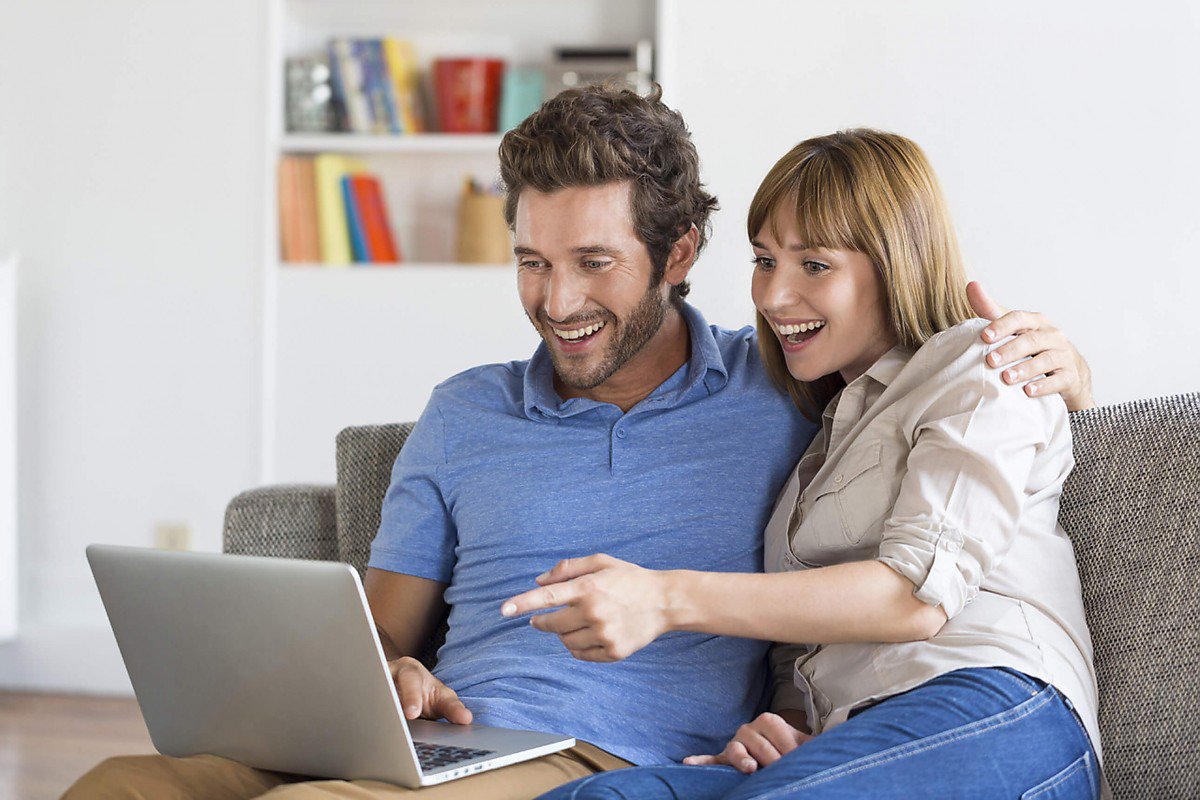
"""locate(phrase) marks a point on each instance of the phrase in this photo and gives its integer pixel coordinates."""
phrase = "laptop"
(276, 664)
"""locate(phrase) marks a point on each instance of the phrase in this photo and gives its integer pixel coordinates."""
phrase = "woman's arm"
(610, 608)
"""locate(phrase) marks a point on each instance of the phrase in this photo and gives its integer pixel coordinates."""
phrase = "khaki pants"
(214, 778)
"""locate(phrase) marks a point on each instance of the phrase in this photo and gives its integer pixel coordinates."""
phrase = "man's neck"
(661, 357)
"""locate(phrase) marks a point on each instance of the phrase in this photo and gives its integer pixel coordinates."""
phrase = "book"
(368, 201)
(329, 169)
(349, 85)
(358, 240)
(376, 86)
(299, 242)
(401, 61)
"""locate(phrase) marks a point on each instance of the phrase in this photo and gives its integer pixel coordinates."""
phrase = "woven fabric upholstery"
(1132, 511)
(364, 468)
(283, 521)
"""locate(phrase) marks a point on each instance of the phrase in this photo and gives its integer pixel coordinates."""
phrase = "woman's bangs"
(822, 205)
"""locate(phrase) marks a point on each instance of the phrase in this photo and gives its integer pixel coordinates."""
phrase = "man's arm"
(406, 609)
(1048, 349)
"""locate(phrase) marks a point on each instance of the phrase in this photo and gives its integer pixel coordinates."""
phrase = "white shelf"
(403, 266)
(424, 143)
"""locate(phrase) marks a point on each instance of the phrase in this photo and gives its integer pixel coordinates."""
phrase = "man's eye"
(763, 263)
(530, 264)
(595, 264)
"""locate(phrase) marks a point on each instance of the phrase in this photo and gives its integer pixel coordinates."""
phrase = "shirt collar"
(884, 371)
(705, 366)
(889, 365)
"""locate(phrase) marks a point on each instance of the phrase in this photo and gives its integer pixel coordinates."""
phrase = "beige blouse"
(933, 466)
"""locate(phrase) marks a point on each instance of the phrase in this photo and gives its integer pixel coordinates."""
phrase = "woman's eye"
(815, 267)
(763, 263)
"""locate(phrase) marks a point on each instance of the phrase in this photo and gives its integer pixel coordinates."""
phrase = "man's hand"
(611, 608)
(756, 744)
(1053, 355)
(422, 695)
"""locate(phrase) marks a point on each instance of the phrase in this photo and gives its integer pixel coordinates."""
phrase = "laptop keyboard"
(435, 756)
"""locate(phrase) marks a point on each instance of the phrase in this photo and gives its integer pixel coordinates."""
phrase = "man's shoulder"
(738, 346)
(496, 386)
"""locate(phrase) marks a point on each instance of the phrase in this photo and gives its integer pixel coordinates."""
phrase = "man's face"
(585, 280)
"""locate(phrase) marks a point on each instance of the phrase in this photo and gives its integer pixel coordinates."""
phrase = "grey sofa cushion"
(295, 521)
(365, 456)
(1132, 509)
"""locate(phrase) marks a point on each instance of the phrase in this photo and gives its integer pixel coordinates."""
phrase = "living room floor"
(49, 740)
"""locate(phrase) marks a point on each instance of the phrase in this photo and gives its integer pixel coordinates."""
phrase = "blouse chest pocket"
(851, 503)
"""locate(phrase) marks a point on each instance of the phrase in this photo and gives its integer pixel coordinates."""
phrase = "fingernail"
(1032, 389)
(508, 609)
(542, 577)
(994, 358)
(749, 764)
(1010, 375)
(989, 334)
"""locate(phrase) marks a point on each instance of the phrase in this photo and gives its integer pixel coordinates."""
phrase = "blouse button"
(838, 479)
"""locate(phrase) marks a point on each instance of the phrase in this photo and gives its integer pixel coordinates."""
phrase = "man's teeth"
(788, 330)
(578, 333)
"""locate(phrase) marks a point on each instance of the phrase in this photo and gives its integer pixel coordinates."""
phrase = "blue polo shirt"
(501, 479)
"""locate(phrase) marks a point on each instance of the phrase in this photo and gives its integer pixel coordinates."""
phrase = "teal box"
(520, 96)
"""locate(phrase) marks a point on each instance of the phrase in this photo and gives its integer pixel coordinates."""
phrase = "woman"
(929, 602)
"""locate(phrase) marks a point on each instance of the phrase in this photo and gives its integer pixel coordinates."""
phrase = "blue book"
(354, 221)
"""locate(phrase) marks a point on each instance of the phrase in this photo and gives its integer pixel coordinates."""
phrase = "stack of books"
(331, 211)
(376, 86)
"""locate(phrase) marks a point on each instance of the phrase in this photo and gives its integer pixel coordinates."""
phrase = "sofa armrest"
(294, 521)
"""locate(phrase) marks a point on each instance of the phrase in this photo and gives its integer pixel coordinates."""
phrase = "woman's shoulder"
(950, 369)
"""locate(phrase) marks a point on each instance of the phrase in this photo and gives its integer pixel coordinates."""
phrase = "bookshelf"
(366, 343)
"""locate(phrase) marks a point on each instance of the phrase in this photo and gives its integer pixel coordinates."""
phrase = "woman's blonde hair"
(875, 193)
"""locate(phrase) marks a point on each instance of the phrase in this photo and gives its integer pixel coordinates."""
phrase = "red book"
(368, 197)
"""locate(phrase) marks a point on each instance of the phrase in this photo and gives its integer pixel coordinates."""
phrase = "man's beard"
(627, 339)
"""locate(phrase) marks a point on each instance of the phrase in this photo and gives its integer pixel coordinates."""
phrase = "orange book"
(298, 211)
(368, 196)
(309, 245)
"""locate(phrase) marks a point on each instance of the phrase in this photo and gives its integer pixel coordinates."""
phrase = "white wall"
(8, 447)
(1064, 135)
(130, 164)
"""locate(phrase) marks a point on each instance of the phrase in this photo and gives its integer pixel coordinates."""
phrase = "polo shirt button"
(620, 433)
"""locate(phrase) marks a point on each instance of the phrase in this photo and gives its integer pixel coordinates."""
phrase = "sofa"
(1131, 507)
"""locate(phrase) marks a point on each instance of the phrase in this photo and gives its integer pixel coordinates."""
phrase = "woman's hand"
(610, 608)
(756, 744)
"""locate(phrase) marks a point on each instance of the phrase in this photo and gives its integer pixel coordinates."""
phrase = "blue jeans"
(977, 733)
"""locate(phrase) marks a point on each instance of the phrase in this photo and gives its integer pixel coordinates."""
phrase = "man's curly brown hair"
(600, 134)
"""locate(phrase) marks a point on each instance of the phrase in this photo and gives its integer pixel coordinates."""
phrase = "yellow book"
(402, 69)
(331, 206)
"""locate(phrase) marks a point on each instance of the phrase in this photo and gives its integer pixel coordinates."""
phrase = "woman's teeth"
(795, 333)
(578, 333)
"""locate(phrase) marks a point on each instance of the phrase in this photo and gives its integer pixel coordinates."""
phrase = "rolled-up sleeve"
(960, 501)
(417, 535)
(785, 694)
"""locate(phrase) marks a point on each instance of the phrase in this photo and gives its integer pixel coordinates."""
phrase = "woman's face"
(826, 306)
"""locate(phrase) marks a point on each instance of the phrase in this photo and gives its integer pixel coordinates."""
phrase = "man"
(635, 429)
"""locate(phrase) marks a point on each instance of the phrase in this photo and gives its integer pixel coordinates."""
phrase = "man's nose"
(565, 296)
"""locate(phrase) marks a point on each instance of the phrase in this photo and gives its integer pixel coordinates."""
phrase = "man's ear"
(682, 257)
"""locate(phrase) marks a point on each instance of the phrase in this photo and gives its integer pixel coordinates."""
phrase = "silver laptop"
(276, 664)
